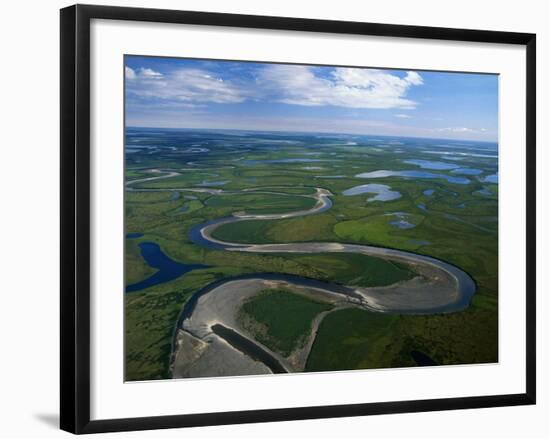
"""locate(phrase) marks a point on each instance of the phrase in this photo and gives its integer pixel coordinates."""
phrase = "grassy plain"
(280, 319)
(457, 223)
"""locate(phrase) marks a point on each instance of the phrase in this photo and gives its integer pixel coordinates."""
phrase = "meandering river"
(208, 341)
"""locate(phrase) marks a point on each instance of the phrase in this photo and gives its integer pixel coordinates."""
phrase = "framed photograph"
(268, 218)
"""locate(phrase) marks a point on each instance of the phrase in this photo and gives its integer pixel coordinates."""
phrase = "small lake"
(493, 178)
(429, 164)
(402, 224)
(483, 191)
(382, 191)
(214, 183)
(413, 174)
(429, 192)
(133, 235)
(194, 150)
(466, 171)
(401, 220)
(446, 154)
(168, 269)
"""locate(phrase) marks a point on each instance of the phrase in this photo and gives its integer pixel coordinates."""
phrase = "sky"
(188, 93)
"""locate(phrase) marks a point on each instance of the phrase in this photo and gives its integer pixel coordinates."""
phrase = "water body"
(401, 220)
(248, 347)
(384, 192)
(493, 178)
(413, 174)
(484, 191)
(402, 224)
(429, 192)
(213, 183)
(422, 359)
(168, 269)
(465, 285)
(461, 154)
(133, 235)
(466, 171)
(196, 236)
(429, 164)
(195, 150)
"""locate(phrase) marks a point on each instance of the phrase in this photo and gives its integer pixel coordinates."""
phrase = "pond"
(467, 171)
(401, 220)
(133, 235)
(493, 178)
(382, 191)
(413, 174)
(213, 183)
(429, 164)
(168, 269)
(402, 224)
(483, 191)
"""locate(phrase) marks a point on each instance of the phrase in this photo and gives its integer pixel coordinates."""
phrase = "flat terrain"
(280, 319)
(271, 183)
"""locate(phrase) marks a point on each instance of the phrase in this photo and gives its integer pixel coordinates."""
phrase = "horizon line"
(308, 132)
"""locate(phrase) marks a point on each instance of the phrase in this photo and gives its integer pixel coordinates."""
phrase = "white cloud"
(290, 84)
(129, 73)
(187, 85)
(344, 87)
(414, 78)
(461, 130)
(149, 73)
(402, 116)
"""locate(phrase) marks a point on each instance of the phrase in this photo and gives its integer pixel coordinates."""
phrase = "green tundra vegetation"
(257, 174)
(280, 319)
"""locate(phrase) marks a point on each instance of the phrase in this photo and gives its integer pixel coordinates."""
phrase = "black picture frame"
(75, 217)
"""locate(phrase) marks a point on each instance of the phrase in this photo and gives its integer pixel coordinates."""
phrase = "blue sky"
(185, 93)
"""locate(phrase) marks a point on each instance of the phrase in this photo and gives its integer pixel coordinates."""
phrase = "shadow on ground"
(49, 419)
